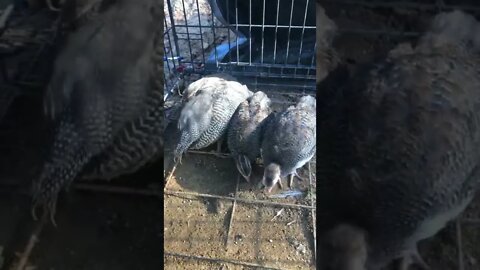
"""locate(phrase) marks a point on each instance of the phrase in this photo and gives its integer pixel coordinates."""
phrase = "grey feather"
(141, 140)
(245, 130)
(290, 137)
(94, 93)
(212, 101)
(398, 148)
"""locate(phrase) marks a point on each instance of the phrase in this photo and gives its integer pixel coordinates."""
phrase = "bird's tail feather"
(244, 166)
(66, 160)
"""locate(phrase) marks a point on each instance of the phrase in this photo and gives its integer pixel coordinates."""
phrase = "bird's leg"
(290, 182)
(49, 208)
(218, 153)
(34, 211)
(418, 260)
(52, 209)
(170, 175)
(280, 183)
(412, 257)
(298, 176)
(177, 160)
(50, 6)
(219, 146)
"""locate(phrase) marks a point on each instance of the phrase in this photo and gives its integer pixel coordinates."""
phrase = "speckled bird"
(245, 131)
(204, 118)
(99, 85)
(398, 149)
(141, 141)
(289, 142)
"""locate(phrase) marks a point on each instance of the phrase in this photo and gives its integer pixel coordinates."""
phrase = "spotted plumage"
(245, 131)
(205, 116)
(398, 148)
(141, 140)
(289, 141)
(94, 93)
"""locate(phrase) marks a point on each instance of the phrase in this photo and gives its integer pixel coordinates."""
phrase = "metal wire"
(263, 65)
(234, 204)
(250, 33)
(312, 203)
(303, 33)
(263, 202)
(247, 264)
(224, 155)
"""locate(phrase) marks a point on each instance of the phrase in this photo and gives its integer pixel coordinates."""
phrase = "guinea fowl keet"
(100, 84)
(245, 131)
(398, 149)
(289, 142)
(204, 118)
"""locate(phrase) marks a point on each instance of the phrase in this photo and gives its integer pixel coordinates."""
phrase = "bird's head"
(271, 176)
(343, 248)
(307, 102)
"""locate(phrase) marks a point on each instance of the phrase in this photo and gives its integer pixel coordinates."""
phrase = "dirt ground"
(199, 226)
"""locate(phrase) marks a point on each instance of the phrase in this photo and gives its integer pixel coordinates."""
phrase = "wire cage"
(269, 46)
(367, 28)
(261, 39)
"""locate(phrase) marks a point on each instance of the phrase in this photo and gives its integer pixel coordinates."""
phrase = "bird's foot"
(294, 174)
(219, 154)
(179, 92)
(298, 176)
(177, 160)
(219, 146)
(290, 181)
(246, 177)
(51, 7)
(280, 183)
(412, 258)
(49, 208)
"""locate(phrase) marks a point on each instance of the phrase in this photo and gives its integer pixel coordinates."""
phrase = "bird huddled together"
(397, 154)
(217, 106)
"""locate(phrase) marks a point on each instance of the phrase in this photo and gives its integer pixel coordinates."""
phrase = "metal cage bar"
(182, 34)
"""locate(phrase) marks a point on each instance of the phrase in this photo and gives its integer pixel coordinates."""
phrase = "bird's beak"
(268, 189)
